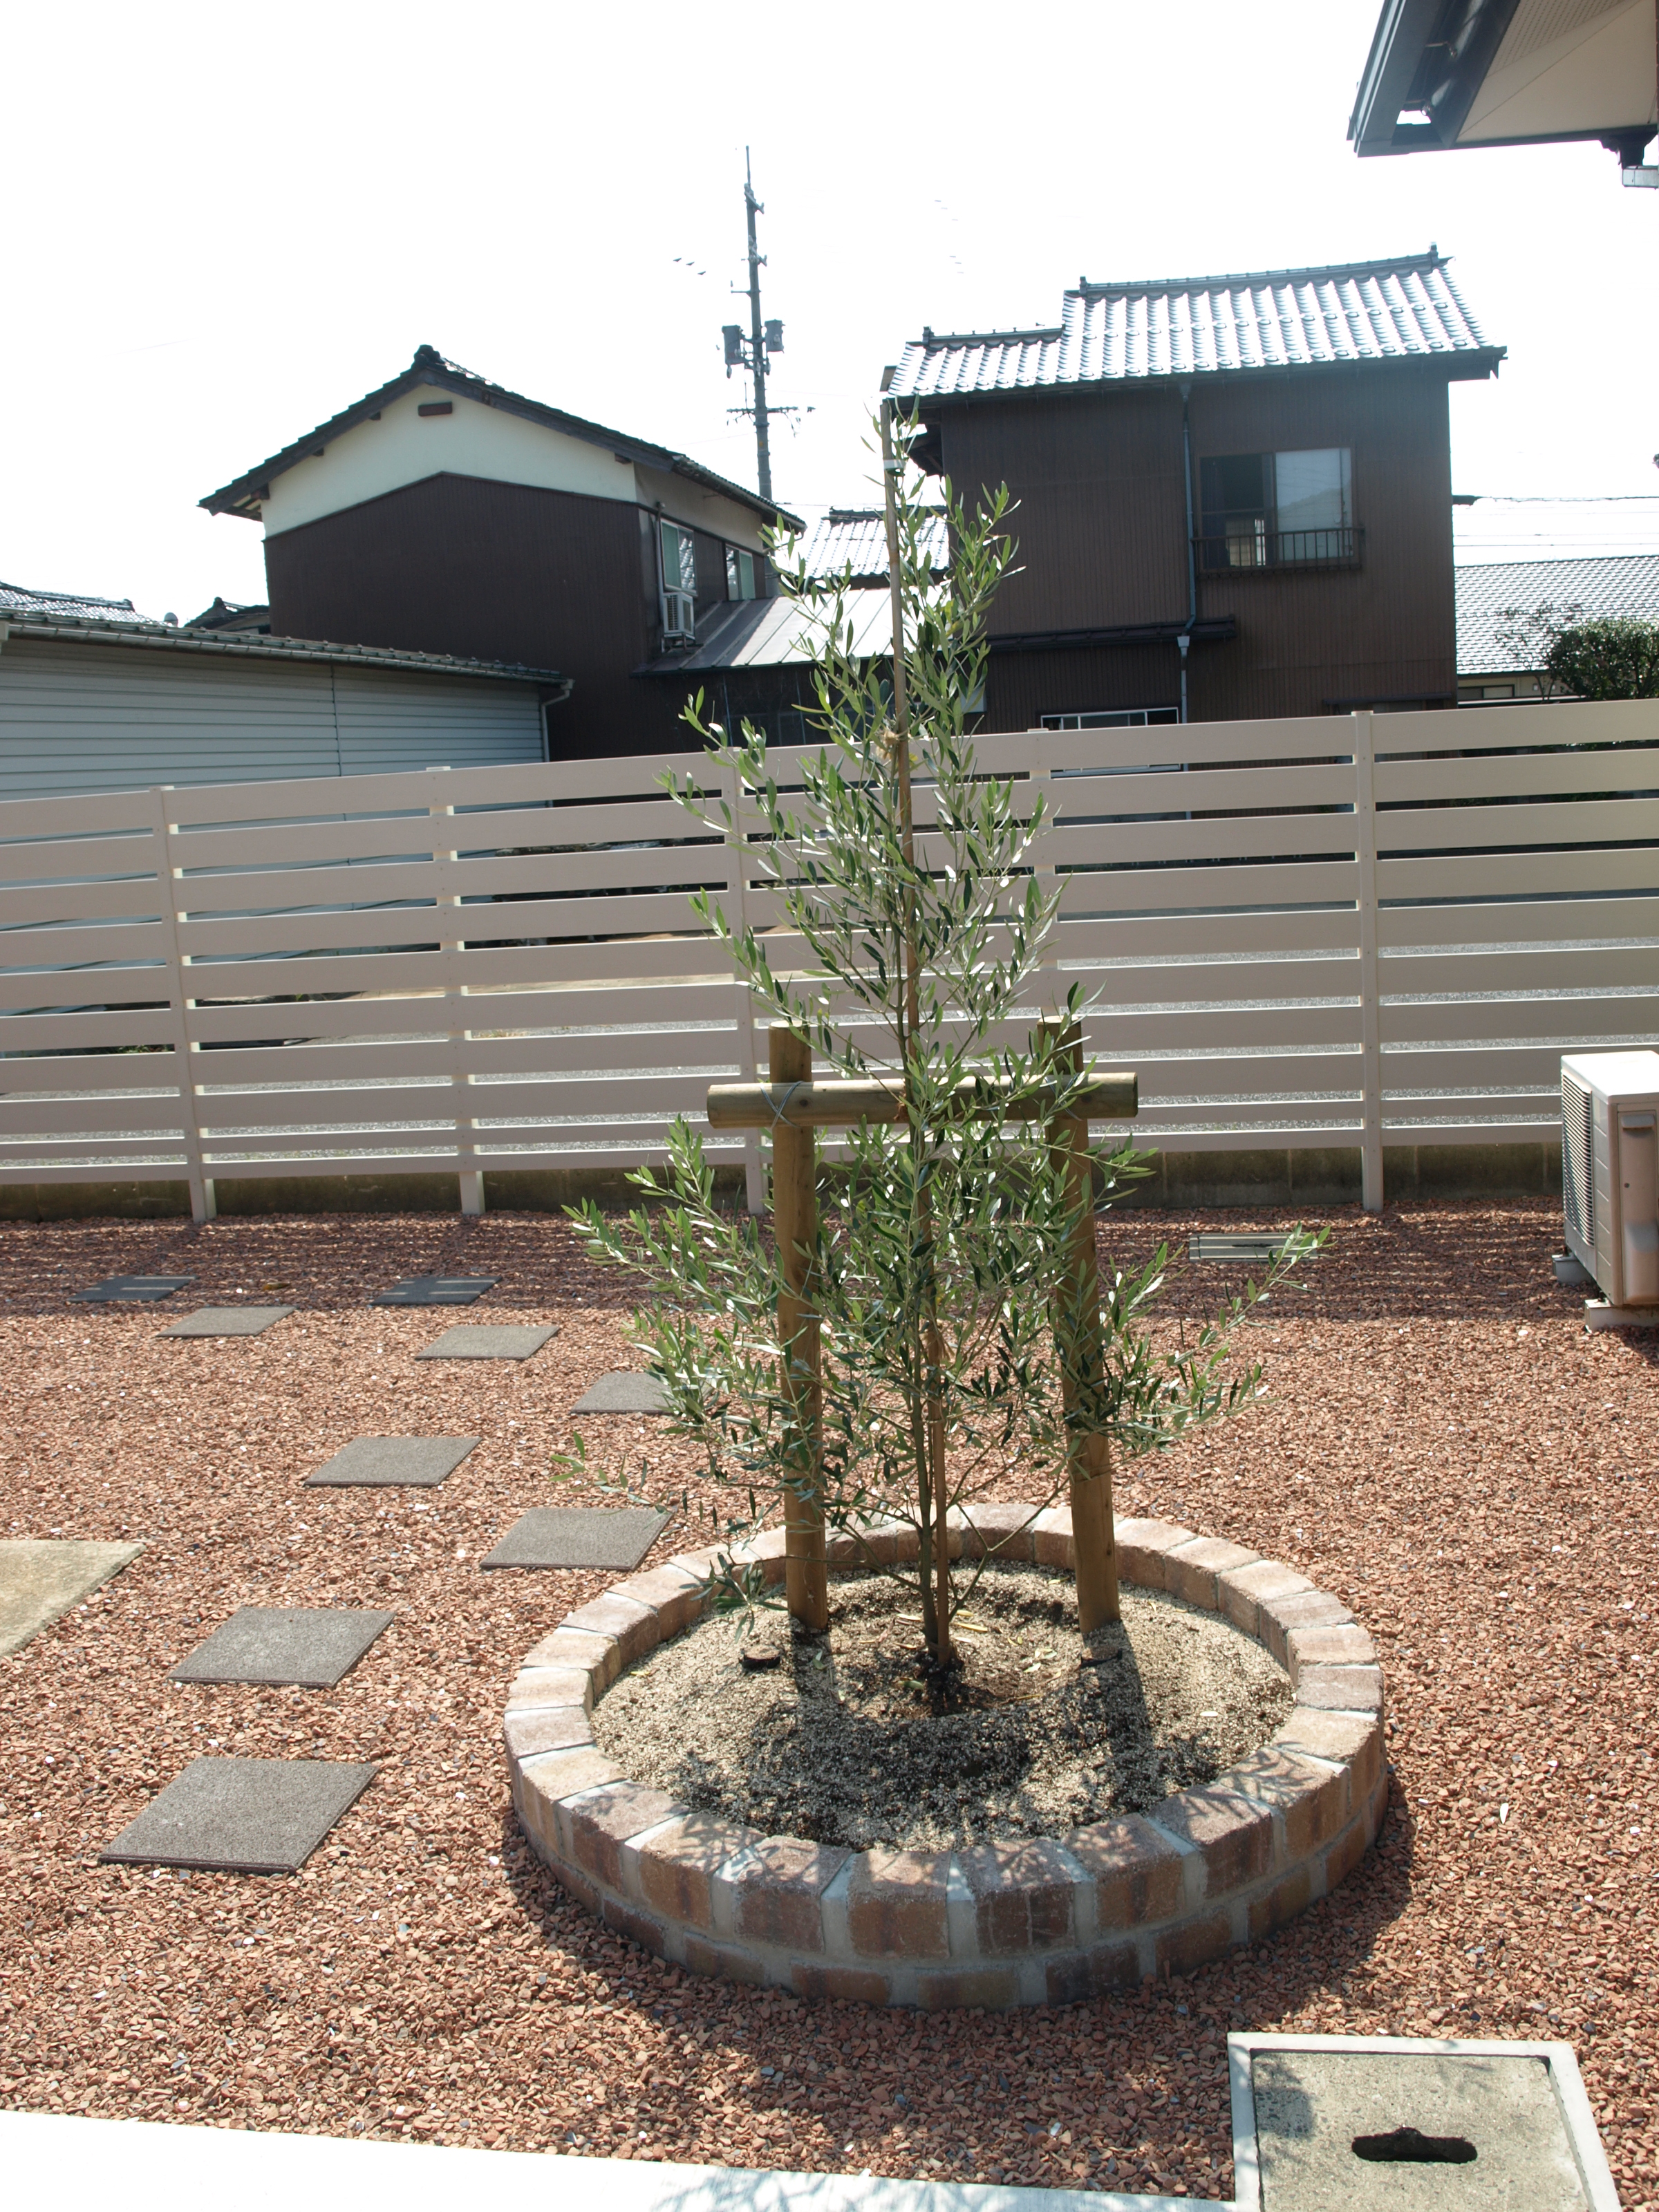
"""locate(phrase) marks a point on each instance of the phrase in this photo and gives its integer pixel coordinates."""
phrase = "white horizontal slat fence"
(1350, 931)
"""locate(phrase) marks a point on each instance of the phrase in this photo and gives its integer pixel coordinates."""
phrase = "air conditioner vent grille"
(1577, 1159)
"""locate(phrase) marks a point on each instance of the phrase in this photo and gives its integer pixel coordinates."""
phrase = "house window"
(739, 573)
(1112, 718)
(679, 581)
(1278, 510)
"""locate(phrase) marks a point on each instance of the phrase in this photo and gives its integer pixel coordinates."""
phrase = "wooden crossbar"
(838, 1104)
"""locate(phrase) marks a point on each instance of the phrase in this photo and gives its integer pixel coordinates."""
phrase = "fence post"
(468, 1174)
(203, 1203)
(794, 1229)
(1081, 1343)
(1371, 1026)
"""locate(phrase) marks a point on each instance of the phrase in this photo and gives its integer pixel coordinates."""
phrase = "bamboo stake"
(795, 1226)
(932, 1348)
(1081, 1342)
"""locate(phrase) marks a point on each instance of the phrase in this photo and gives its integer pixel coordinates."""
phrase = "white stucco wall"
(405, 447)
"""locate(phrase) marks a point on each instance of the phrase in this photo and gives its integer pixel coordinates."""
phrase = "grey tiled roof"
(1275, 319)
(64, 606)
(78, 629)
(1606, 584)
(856, 538)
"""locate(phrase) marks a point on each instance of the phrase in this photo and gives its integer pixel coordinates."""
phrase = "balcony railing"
(1258, 547)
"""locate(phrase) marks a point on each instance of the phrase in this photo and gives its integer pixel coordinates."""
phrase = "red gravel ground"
(1448, 1450)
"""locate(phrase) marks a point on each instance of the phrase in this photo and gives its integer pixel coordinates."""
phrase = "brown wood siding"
(497, 572)
(1101, 530)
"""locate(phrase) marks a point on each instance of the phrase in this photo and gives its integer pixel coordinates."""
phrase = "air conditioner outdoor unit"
(1610, 1170)
(680, 616)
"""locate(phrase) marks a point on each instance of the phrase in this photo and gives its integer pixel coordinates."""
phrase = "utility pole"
(754, 351)
(756, 336)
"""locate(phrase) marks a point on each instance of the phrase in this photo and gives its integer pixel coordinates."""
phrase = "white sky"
(225, 224)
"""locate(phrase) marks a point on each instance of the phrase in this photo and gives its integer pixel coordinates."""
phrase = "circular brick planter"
(1042, 1921)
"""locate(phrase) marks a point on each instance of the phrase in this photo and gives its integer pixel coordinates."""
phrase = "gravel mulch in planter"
(1447, 1449)
(840, 1743)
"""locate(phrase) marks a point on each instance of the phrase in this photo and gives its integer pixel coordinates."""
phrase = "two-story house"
(1234, 493)
(443, 514)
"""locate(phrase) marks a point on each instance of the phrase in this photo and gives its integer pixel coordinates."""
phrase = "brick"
(1233, 1833)
(1095, 1973)
(674, 1866)
(669, 1592)
(895, 1904)
(577, 1885)
(1342, 1689)
(1312, 1801)
(600, 1824)
(1346, 1739)
(767, 1549)
(596, 1656)
(1051, 1539)
(1243, 1590)
(880, 1543)
(1345, 1853)
(1289, 1895)
(1143, 1550)
(993, 1988)
(854, 1985)
(778, 1892)
(541, 1789)
(534, 1687)
(1347, 1645)
(1194, 1943)
(723, 1962)
(1022, 1895)
(632, 1627)
(552, 1728)
(698, 1564)
(999, 1532)
(639, 1927)
(1137, 1873)
(1309, 1608)
(1193, 1568)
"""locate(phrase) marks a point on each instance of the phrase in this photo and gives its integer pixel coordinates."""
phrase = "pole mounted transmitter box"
(1610, 1170)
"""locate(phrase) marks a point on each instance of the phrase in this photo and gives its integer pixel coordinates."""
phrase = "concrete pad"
(313, 1646)
(384, 1462)
(141, 1289)
(39, 1583)
(436, 1290)
(242, 1815)
(1378, 2124)
(578, 1536)
(229, 1321)
(624, 1391)
(487, 1344)
(145, 2167)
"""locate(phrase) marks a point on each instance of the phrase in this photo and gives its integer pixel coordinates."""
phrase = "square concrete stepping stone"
(578, 1536)
(39, 1583)
(487, 1344)
(241, 1815)
(313, 1646)
(624, 1391)
(124, 1289)
(229, 1321)
(436, 1290)
(384, 1462)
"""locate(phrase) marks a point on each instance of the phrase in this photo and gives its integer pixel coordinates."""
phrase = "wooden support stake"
(1081, 1342)
(795, 1226)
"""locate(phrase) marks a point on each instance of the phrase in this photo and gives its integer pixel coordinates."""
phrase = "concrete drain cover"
(624, 1391)
(130, 1289)
(1380, 2125)
(229, 1321)
(436, 1290)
